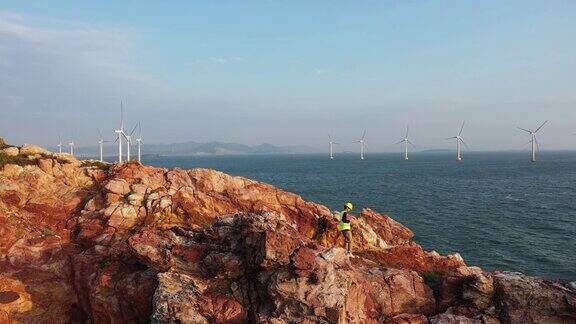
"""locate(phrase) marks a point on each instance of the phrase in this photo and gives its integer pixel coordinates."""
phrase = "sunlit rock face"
(86, 242)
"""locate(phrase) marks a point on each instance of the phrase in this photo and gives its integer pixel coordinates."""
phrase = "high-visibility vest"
(341, 225)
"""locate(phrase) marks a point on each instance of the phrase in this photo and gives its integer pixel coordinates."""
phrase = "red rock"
(118, 186)
(304, 259)
(409, 319)
(453, 319)
(525, 299)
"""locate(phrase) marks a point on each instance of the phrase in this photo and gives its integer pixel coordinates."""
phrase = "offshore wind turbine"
(361, 141)
(139, 141)
(71, 147)
(120, 132)
(101, 142)
(459, 141)
(129, 142)
(59, 144)
(533, 140)
(332, 143)
(406, 141)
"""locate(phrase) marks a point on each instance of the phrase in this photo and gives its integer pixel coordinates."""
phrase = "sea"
(497, 209)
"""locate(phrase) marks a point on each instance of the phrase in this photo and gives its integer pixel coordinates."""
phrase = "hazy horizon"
(290, 73)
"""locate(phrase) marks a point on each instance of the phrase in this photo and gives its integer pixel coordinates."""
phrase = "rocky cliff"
(86, 242)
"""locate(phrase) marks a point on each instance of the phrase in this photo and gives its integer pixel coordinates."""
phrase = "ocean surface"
(498, 210)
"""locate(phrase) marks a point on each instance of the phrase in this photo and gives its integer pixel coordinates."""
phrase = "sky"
(290, 72)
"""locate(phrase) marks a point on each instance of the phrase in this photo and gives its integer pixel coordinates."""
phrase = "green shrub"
(432, 278)
(47, 232)
(97, 164)
(18, 160)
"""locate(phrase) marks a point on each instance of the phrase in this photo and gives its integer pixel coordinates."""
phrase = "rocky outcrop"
(11, 151)
(29, 149)
(525, 299)
(86, 242)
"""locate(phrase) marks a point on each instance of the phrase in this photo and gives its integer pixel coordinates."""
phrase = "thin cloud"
(51, 70)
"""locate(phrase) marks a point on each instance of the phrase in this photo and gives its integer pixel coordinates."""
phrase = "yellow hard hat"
(349, 205)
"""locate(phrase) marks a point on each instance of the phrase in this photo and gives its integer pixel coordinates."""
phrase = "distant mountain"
(195, 148)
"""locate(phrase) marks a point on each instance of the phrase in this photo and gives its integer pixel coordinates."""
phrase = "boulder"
(66, 158)
(118, 186)
(478, 290)
(180, 298)
(29, 149)
(12, 170)
(11, 151)
(526, 299)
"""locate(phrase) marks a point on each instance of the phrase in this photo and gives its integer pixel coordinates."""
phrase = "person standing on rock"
(344, 225)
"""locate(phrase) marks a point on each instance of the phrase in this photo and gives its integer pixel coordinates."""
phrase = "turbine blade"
(461, 140)
(364, 134)
(402, 141)
(406, 132)
(121, 114)
(537, 144)
(461, 128)
(537, 129)
(525, 130)
(414, 146)
(453, 137)
(133, 129)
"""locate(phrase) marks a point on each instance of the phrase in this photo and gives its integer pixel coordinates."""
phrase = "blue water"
(498, 210)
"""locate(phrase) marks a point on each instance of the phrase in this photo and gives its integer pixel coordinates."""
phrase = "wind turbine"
(361, 141)
(406, 141)
(533, 140)
(101, 142)
(459, 140)
(332, 143)
(59, 144)
(139, 140)
(71, 147)
(129, 142)
(120, 132)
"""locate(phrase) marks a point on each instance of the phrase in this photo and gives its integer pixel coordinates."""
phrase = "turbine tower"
(71, 147)
(120, 132)
(139, 141)
(59, 144)
(459, 141)
(129, 142)
(406, 141)
(361, 141)
(332, 143)
(101, 142)
(533, 141)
